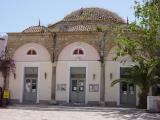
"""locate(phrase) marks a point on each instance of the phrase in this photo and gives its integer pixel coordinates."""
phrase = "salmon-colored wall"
(90, 53)
(42, 53)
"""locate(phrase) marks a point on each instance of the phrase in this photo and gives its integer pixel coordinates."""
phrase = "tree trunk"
(143, 99)
(5, 75)
(4, 82)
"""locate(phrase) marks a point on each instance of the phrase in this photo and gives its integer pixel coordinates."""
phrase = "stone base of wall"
(89, 103)
(14, 101)
(62, 102)
(111, 103)
(93, 103)
(44, 102)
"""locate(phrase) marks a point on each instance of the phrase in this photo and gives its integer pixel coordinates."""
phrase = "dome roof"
(35, 29)
(93, 14)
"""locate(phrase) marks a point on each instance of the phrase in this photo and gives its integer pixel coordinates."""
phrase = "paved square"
(74, 113)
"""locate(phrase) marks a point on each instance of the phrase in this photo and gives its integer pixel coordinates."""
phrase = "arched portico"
(33, 74)
(121, 93)
(78, 62)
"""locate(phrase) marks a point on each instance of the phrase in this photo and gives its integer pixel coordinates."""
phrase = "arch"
(31, 52)
(84, 52)
(112, 54)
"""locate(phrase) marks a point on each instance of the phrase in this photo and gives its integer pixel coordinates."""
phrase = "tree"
(144, 75)
(147, 30)
(141, 41)
(6, 66)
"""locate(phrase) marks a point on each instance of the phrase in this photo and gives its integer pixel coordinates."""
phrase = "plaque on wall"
(93, 87)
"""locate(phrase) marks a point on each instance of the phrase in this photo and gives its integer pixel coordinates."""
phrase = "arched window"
(78, 51)
(31, 52)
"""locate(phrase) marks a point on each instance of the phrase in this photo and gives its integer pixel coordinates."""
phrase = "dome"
(35, 29)
(94, 14)
(87, 19)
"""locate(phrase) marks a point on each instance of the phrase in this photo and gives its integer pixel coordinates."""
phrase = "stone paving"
(28, 112)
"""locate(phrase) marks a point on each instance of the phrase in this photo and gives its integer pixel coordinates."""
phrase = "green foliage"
(101, 28)
(144, 74)
(145, 31)
(141, 42)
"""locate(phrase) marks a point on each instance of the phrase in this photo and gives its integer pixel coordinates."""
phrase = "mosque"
(71, 61)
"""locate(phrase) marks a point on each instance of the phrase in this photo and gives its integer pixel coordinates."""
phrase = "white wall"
(112, 94)
(93, 68)
(62, 77)
(15, 84)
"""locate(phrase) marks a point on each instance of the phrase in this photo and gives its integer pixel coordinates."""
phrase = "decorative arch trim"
(79, 51)
(32, 52)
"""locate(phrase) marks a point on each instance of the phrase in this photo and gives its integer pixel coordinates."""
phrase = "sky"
(17, 15)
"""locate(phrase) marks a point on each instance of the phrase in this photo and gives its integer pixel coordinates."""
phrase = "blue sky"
(16, 15)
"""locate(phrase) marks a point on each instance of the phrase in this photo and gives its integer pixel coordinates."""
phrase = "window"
(78, 51)
(31, 52)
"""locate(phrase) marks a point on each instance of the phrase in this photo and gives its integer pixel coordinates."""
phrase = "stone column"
(102, 85)
(102, 56)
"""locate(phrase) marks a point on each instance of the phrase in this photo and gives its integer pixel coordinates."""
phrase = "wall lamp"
(111, 76)
(14, 74)
(94, 76)
(45, 75)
